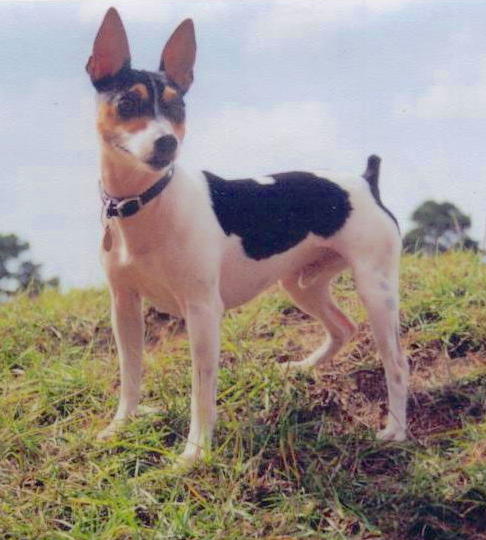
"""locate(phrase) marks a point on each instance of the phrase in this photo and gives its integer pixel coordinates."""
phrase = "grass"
(293, 458)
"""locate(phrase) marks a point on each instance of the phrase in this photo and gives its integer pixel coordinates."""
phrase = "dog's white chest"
(154, 288)
(144, 273)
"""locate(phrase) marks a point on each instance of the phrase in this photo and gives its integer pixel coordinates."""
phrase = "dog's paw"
(191, 455)
(186, 460)
(111, 431)
(396, 434)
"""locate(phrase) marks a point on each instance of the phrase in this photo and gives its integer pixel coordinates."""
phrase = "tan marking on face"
(110, 124)
(134, 125)
(107, 120)
(141, 90)
(179, 130)
(169, 93)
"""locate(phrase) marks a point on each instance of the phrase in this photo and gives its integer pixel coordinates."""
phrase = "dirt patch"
(80, 332)
(362, 347)
(461, 518)
(438, 401)
(371, 383)
(145, 516)
(385, 462)
(293, 352)
(421, 319)
(99, 335)
(103, 337)
(227, 360)
(431, 367)
(293, 315)
(459, 345)
(447, 408)
(423, 356)
(326, 401)
(159, 326)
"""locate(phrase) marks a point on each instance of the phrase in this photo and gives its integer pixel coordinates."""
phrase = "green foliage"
(440, 227)
(294, 457)
(17, 275)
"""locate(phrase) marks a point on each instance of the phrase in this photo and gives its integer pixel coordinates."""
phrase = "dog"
(195, 245)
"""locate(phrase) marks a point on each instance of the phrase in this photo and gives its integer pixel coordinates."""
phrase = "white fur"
(141, 143)
(265, 180)
(175, 254)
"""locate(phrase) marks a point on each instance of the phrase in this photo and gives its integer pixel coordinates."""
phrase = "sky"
(279, 85)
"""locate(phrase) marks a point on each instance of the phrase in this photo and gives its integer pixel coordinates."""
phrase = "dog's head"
(141, 114)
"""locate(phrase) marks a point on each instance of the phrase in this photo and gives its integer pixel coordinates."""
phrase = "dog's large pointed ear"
(110, 49)
(179, 55)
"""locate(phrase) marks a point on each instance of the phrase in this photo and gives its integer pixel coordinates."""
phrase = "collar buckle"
(128, 207)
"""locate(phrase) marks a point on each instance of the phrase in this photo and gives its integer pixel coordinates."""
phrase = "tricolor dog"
(195, 245)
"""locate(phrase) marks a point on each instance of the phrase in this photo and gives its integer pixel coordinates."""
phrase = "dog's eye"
(174, 110)
(129, 106)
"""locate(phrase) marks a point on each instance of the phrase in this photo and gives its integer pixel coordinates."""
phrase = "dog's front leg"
(203, 323)
(128, 327)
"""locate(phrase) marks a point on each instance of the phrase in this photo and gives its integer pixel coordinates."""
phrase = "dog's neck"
(121, 178)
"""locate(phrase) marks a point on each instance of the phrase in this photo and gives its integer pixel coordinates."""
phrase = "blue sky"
(279, 85)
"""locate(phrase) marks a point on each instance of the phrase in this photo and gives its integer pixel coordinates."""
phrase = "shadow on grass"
(306, 450)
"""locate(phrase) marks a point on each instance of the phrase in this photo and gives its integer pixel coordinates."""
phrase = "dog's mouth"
(120, 147)
(157, 162)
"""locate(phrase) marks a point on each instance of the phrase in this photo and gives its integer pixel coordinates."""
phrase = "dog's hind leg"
(376, 279)
(316, 300)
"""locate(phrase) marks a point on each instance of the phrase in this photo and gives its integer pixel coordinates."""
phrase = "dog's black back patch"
(271, 218)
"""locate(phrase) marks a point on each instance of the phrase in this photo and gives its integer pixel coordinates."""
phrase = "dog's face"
(141, 114)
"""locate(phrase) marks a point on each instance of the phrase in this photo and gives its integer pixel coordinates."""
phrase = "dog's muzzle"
(164, 152)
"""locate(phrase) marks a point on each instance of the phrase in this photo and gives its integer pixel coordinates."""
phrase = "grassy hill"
(293, 457)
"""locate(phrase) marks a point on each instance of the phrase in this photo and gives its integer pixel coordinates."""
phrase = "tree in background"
(440, 227)
(19, 275)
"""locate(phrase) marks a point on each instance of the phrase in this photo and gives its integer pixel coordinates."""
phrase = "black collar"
(128, 206)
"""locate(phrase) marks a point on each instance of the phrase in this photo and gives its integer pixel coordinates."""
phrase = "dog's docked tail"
(371, 175)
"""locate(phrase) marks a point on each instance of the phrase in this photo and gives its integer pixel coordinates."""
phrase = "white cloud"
(250, 140)
(57, 209)
(41, 111)
(447, 98)
(288, 21)
(29, 1)
(407, 182)
(153, 10)
(276, 21)
(52, 196)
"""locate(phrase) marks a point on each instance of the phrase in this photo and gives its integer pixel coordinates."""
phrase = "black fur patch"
(371, 175)
(272, 218)
(117, 85)
(123, 79)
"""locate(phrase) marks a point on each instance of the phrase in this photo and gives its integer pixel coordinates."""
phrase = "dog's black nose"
(166, 144)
